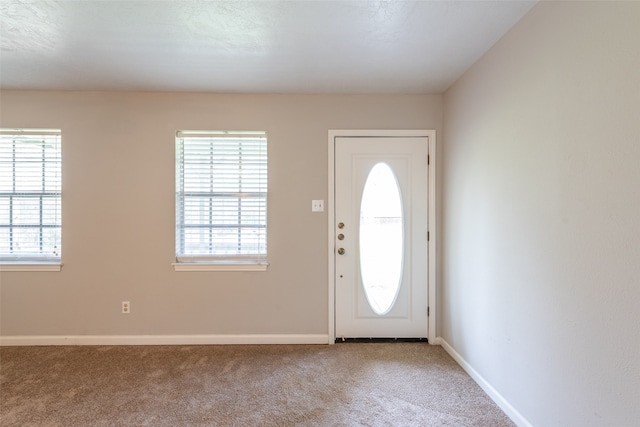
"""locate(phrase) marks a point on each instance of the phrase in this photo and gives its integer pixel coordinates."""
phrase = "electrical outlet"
(126, 307)
(317, 206)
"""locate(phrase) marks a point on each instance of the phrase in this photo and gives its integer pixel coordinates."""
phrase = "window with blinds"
(221, 196)
(30, 195)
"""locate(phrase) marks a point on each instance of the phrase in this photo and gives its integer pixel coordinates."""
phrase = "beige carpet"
(348, 384)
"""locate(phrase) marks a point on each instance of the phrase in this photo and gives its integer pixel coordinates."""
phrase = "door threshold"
(380, 340)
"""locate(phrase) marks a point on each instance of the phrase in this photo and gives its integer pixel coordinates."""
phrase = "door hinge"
(428, 236)
(428, 159)
(428, 311)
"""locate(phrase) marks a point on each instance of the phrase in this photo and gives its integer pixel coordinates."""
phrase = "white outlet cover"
(317, 206)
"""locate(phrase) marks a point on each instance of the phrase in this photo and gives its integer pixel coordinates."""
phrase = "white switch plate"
(317, 206)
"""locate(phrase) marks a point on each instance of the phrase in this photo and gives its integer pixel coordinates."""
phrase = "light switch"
(317, 206)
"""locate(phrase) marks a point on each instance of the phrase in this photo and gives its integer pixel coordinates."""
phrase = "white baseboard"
(508, 409)
(36, 340)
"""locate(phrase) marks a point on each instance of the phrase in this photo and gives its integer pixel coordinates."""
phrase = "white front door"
(380, 217)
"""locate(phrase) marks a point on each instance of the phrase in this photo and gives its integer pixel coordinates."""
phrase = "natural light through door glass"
(381, 238)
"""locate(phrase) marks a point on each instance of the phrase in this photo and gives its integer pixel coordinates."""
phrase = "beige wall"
(118, 212)
(541, 215)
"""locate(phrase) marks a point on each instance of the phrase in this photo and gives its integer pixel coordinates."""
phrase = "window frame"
(35, 262)
(217, 262)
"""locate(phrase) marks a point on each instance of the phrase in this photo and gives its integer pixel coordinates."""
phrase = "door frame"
(431, 221)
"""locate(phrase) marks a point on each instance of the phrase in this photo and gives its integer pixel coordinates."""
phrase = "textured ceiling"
(247, 46)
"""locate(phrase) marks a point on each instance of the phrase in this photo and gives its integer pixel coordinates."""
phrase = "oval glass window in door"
(381, 238)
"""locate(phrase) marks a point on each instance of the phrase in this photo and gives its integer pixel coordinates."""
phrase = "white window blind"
(30, 195)
(221, 196)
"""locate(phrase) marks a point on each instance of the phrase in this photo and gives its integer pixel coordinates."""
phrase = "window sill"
(221, 266)
(29, 266)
